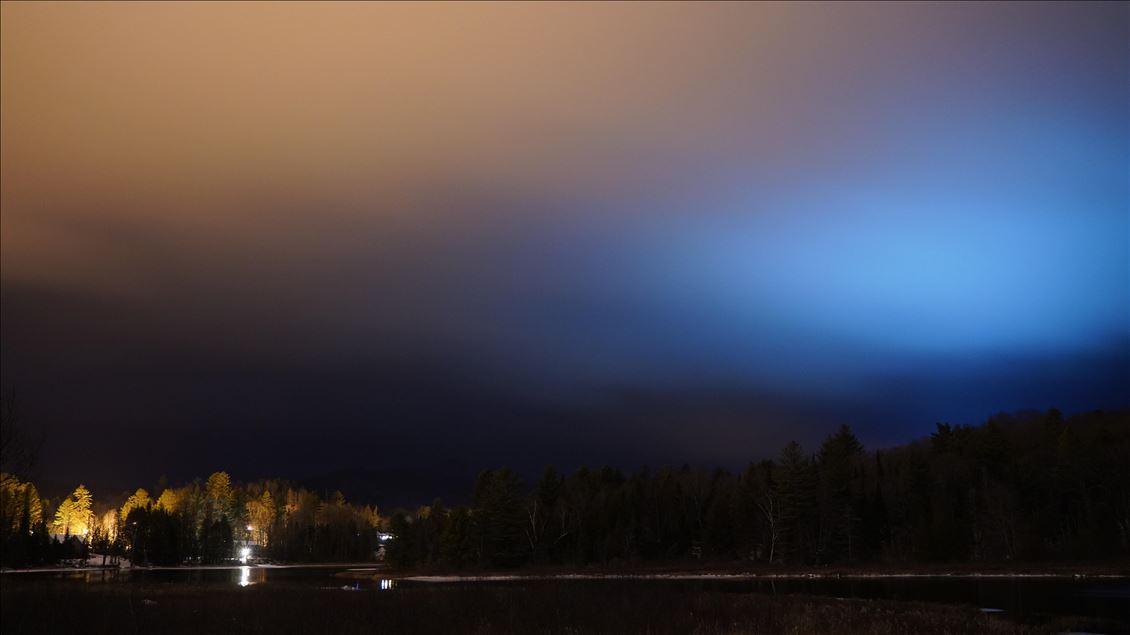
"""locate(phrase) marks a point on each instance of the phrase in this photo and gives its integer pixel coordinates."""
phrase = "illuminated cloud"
(554, 218)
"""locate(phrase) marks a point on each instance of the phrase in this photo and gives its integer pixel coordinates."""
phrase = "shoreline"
(721, 571)
(743, 576)
(729, 571)
(349, 566)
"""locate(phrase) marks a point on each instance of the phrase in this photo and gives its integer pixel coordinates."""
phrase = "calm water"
(1096, 597)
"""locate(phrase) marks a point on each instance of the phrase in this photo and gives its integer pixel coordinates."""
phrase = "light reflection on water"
(246, 576)
(1100, 597)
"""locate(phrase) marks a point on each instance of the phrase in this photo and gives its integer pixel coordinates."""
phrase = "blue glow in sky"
(626, 232)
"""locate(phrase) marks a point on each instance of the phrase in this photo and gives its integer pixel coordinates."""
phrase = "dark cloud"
(408, 241)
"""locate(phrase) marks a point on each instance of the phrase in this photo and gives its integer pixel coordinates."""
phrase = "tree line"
(201, 522)
(1022, 487)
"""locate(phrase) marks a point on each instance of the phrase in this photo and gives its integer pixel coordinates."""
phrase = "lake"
(1106, 597)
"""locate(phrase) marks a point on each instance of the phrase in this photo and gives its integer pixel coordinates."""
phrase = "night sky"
(298, 239)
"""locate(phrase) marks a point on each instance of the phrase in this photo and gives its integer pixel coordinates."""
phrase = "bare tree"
(769, 503)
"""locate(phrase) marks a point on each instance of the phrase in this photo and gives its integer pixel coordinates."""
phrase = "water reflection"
(103, 575)
(1105, 597)
(250, 575)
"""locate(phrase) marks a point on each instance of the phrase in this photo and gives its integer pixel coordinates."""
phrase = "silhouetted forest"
(1019, 488)
(1027, 487)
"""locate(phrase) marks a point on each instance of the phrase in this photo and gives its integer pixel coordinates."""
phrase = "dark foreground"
(50, 607)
